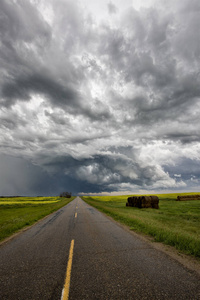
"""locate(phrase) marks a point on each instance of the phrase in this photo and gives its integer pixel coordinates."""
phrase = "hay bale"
(129, 200)
(143, 202)
(132, 201)
(188, 197)
(154, 202)
(154, 198)
(139, 202)
(135, 201)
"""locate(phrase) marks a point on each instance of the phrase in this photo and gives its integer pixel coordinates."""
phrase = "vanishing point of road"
(78, 253)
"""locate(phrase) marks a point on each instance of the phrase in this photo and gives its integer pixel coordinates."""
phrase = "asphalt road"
(108, 261)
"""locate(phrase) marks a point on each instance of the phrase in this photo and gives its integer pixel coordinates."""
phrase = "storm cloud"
(99, 97)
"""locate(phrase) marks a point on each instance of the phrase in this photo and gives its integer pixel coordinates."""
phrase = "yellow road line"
(65, 292)
(76, 215)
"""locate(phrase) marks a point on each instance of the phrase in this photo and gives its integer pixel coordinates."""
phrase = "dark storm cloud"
(100, 105)
(39, 83)
(148, 58)
(21, 21)
(21, 26)
(112, 9)
(106, 170)
(59, 120)
(20, 177)
(188, 171)
(25, 41)
(11, 121)
(32, 59)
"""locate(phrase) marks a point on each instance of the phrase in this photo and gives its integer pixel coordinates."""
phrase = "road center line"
(76, 215)
(65, 291)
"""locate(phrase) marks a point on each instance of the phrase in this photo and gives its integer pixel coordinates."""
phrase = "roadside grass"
(175, 223)
(17, 213)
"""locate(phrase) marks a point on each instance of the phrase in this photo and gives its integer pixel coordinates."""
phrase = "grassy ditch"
(16, 213)
(175, 223)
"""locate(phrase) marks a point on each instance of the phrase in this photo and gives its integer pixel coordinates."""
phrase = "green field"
(175, 223)
(17, 213)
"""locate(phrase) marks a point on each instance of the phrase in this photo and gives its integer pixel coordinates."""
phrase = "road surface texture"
(108, 262)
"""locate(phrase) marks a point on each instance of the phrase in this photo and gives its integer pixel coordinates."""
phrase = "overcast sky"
(99, 96)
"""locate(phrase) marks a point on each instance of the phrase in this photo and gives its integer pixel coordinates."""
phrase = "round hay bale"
(154, 198)
(129, 199)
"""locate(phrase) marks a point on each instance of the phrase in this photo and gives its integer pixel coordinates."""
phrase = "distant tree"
(65, 195)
